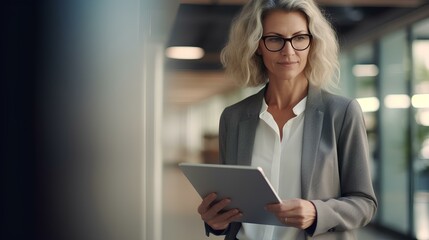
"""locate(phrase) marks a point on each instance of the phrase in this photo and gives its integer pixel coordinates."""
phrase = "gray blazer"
(334, 167)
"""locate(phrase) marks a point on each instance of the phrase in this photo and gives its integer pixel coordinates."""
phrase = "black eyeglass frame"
(288, 40)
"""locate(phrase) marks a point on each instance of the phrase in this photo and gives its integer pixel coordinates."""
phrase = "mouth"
(287, 63)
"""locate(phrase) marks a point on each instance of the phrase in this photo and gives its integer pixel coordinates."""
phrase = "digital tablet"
(246, 186)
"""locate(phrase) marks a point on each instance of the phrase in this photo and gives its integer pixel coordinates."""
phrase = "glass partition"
(420, 120)
(394, 129)
(390, 79)
(365, 73)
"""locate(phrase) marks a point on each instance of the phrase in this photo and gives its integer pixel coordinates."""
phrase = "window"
(394, 127)
(420, 123)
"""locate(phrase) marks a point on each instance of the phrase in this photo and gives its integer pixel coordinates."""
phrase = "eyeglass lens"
(276, 43)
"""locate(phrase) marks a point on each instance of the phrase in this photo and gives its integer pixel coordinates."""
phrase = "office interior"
(384, 65)
(97, 116)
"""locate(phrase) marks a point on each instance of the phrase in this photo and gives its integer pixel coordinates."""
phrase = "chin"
(289, 76)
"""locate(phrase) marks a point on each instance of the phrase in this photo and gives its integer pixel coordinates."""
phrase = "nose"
(288, 49)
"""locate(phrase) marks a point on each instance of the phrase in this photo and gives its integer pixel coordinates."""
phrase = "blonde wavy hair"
(243, 64)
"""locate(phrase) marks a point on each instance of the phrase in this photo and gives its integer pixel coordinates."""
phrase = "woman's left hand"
(297, 213)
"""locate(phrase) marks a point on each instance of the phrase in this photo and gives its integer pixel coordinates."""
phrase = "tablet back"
(246, 186)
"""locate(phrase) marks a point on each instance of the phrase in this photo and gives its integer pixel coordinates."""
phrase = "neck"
(286, 94)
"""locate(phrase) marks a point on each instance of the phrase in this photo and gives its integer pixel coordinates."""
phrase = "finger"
(226, 216)
(277, 207)
(284, 211)
(215, 209)
(291, 222)
(205, 204)
(297, 222)
(273, 207)
(221, 221)
(302, 216)
(303, 209)
(285, 205)
(285, 220)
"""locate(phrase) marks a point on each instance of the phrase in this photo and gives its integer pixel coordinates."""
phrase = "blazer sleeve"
(357, 204)
(222, 137)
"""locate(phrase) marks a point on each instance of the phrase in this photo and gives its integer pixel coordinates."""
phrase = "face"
(288, 63)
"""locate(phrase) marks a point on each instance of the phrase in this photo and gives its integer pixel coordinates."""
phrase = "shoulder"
(339, 104)
(248, 106)
(330, 99)
(344, 113)
(337, 110)
(241, 105)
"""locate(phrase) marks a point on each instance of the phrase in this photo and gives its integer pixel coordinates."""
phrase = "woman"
(311, 144)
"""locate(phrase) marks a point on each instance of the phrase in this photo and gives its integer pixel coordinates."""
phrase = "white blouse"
(281, 162)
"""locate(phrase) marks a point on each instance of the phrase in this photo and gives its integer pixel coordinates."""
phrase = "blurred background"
(101, 102)
(384, 64)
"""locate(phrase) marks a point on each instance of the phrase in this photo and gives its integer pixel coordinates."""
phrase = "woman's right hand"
(212, 213)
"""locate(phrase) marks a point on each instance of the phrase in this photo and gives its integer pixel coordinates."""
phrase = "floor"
(181, 220)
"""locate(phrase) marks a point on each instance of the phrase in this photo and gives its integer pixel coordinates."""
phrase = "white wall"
(156, 20)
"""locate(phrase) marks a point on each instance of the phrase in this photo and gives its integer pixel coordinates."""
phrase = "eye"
(274, 39)
(300, 38)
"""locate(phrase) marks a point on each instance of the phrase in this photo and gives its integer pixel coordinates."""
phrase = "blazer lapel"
(313, 123)
(247, 130)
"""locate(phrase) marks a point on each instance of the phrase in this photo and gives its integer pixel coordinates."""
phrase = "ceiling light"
(183, 52)
(365, 70)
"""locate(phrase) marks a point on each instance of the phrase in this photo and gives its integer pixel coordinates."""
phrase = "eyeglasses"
(277, 43)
